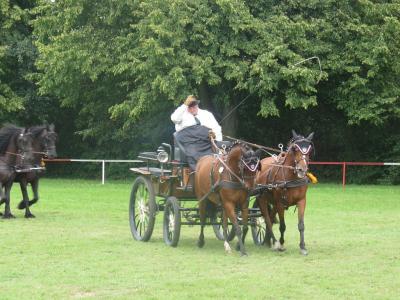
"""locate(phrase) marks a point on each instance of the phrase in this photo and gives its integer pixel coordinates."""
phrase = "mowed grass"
(80, 246)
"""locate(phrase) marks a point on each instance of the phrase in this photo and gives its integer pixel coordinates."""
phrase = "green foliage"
(165, 50)
(110, 72)
(11, 17)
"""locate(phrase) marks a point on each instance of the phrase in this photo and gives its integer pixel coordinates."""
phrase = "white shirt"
(183, 118)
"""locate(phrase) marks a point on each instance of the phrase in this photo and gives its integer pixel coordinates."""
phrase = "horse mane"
(37, 130)
(6, 133)
(234, 144)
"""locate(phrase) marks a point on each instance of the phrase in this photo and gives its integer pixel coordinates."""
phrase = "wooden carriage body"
(161, 186)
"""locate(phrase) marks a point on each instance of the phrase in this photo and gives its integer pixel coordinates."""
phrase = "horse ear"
(51, 127)
(294, 134)
(310, 136)
(258, 153)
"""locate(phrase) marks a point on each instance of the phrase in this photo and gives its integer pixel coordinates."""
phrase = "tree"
(125, 56)
(121, 66)
(10, 18)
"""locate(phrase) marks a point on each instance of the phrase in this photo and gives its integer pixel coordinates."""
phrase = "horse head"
(301, 147)
(48, 141)
(245, 163)
(45, 140)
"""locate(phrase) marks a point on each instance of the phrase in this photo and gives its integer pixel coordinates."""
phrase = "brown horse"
(285, 180)
(225, 180)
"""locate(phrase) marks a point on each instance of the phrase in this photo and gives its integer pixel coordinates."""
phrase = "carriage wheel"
(258, 228)
(142, 209)
(172, 222)
(218, 230)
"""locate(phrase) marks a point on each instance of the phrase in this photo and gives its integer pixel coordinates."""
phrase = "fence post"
(103, 171)
(344, 175)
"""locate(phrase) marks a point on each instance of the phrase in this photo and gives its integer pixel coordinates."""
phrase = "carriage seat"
(179, 151)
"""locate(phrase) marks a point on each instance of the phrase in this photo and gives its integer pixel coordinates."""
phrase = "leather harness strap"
(220, 183)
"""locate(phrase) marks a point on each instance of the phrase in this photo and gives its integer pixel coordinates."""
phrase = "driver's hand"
(211, 135)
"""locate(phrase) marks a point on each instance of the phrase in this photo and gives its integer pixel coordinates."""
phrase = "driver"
(189, 114)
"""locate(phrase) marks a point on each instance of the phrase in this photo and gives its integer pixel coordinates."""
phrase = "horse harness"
(282, 184)
(217, 184)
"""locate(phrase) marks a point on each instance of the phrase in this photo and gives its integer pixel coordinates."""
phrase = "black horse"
(44, 146)
(15, 155)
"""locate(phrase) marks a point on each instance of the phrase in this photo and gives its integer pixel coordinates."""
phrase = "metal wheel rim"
(142, 211)
(259, 229)
(171, 223)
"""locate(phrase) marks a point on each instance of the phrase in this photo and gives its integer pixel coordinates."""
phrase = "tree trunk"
(230, 122)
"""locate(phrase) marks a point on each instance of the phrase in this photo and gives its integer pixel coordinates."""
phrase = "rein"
(231, 172)
(16, 154)
(282, 166)
(38, 152)
(220, 183)
(254, 145)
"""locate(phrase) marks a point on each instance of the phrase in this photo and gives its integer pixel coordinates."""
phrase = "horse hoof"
(21, 205)
(8, 216)
(282, 248)
(276, 246)
(31, 202)
(304, 252)
(28, 216)
(243, 254)
(227, 247)
(237, 248)
(200, 243)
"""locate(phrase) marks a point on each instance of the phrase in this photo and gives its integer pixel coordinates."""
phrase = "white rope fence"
(102, 161)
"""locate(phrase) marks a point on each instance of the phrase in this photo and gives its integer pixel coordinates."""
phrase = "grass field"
(80, 246)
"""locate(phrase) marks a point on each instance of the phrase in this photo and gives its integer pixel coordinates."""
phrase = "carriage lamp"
(162, 156)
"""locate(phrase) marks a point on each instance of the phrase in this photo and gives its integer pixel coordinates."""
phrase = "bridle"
(245, 163)
(305, 152)
(251, 164)
(22, 150)
(45, 144)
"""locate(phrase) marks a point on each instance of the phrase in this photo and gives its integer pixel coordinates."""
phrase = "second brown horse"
(225, 180)
(285, 180)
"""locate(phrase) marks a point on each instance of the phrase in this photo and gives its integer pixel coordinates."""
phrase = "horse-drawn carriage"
(162, 185)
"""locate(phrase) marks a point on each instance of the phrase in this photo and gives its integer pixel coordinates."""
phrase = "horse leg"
(282, 228)
(230, 211)
(245, 216)
(7, 210)
(262, 204)
(35, 190)
(202, 212)
(24, 184)
(272, 216)
(301, 206)
(2, 197)
(225, 232)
